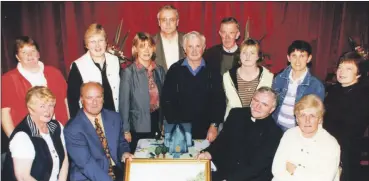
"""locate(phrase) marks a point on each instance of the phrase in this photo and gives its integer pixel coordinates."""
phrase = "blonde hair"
(94, 29)
(252, 43)
(142, 37)
(40, 92)
(310, 101)
(168, 7)
(191, 35)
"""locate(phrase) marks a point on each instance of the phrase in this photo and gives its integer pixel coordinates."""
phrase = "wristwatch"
(214, 125)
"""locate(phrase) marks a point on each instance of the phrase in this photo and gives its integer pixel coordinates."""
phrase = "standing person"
(242, 81)
(140, 91)
(307, 152)
(294, 82)
(37, 147)
(224, 56)
(95, 65)
(30, 72)
(94, 139)
(168, 41)
(246, 146)
(347, 115)
(193, 92)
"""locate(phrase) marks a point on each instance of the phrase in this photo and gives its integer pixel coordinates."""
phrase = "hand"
(290, 168)
(128, 137)
(212, 133)
(127, 155)
(205, 155)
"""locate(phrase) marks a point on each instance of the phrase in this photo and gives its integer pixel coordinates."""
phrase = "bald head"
(92, 98)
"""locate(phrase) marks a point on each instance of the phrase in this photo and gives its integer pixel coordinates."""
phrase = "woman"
(307, 152)
(95, 65)
(347, 116)
(37, 146)
(140, 90)
(240, 82)
(30, 72)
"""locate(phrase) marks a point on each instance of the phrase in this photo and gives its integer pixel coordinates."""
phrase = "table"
(146, 149)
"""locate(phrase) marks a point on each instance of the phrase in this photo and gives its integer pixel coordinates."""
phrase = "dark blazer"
(160, 57)
(244, 150)
(88, 160)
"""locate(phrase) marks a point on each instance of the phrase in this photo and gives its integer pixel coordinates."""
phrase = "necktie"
(104, 143)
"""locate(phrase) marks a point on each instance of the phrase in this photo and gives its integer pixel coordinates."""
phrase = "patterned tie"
(104, 143)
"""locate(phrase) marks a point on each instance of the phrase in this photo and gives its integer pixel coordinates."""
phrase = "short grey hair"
(170, 8)
(265, 89)
(191, 35)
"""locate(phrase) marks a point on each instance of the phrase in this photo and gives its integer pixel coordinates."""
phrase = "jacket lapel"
(109, 133)
(161, 57)
(180, 47)
(89, 127)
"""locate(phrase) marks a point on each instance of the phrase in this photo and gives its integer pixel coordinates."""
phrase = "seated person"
(245, 147)
(94, 139)
(307, 151)
(37, 147)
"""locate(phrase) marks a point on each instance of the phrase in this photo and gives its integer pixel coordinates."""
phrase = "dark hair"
(255, 43)
(299, 45)
(227, 20)
(21, 41)
(355, 58)
(143, 37)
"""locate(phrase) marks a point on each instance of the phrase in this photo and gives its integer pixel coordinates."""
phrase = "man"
(193, 92)
(94, 139)
(223, 57)
(294, 82)
(246, 146)
(168, 41)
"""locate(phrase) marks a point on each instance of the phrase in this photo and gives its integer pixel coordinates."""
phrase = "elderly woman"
(29, 72)
(347, 117)
(307, 152)
(140, 90)
(37, 146)
(240, 82)
(95, 65)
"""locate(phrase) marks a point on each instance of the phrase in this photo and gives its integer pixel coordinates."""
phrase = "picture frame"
(140, 169)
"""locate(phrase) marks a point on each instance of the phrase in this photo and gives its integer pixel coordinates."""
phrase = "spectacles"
(305, 116)
(170, 20)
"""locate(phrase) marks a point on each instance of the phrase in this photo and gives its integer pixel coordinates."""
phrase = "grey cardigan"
(134, 99)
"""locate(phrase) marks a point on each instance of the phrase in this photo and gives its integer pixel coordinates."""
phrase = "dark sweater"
(244, 150)
(197, 99)
(214, 57)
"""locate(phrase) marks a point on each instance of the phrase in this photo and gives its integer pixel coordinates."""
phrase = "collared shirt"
(194, 72)
(92, 120)
(231, 50)
(171, 50)
(108, 94)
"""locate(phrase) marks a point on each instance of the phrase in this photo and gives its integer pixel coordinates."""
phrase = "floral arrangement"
(360, 49)
(117, 47)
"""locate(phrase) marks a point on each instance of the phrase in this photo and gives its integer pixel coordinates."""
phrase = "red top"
(15, 87)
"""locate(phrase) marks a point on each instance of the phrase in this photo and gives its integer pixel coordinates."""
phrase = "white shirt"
(21, 147)
(231, 50)
(316, 158)
(34, 78)
(171, 50)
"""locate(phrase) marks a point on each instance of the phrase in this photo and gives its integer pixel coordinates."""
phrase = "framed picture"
(167, 170)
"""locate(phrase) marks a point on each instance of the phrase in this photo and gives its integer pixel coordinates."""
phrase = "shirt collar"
(34, 130)
(300, 79)
(231, 50)
(139, 66)
(185, 62)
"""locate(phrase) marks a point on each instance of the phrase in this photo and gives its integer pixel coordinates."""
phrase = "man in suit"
(224, 56)
(168, 41)
(94, 139)
(245, 148)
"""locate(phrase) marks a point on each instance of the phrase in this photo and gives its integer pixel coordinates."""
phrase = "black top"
(244, 150)
(74, 84)
(197, 99)
(214, 57)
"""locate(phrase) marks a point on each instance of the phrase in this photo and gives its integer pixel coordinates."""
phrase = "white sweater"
(233, 100)
(316, 158)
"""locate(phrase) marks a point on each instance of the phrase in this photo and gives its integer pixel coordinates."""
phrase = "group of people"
(260, 126)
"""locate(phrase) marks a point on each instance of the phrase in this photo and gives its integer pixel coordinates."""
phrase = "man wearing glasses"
(168, 41)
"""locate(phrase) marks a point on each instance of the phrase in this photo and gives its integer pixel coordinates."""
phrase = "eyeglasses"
(303, 116)
(170, 20)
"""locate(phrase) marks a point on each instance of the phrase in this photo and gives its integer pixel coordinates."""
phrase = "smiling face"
(28, 57)
(229, 33)
(262, 105)
(249, 56)
(168, 21)
(96, 44)
(144, 51)
(194, 48)
(299, 60)
(347, 74)
(308, 120)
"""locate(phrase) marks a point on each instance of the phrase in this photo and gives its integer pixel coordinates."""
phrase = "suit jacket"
(88, 159)
(244, 150)
(160, 57)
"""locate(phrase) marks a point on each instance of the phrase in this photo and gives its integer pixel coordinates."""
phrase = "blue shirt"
(194, 72)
